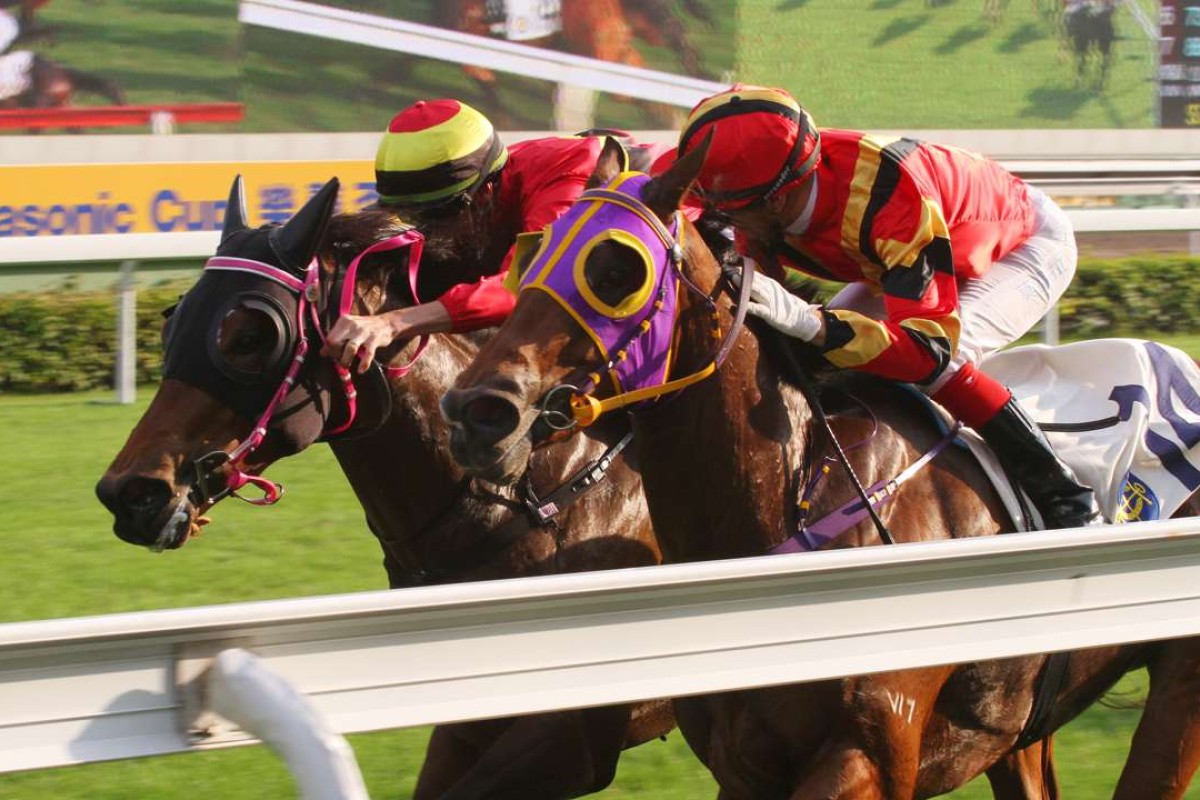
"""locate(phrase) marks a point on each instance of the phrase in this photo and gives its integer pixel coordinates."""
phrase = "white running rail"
(108, 687)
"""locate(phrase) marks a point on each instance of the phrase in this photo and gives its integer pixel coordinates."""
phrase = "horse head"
(616, 308)
(242, 386)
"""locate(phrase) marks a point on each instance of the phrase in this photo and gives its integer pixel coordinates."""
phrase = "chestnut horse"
(723, 462)
(226, 346)
(603, 29)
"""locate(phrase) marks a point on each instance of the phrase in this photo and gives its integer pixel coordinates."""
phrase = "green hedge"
(1136, 296)
(64, 341)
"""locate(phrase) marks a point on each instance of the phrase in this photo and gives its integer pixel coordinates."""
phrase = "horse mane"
(356, 231)
(798, 363)
(348, 234)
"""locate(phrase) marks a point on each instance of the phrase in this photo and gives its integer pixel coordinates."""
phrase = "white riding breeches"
(10, 29)
(1000, 306)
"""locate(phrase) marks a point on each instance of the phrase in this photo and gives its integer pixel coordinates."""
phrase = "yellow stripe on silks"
(724, 98)
(871, 338)
(932, 225)
(948, 328)
(866, 171)
(760, 93)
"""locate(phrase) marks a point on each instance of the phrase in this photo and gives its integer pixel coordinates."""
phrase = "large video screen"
(348, 65)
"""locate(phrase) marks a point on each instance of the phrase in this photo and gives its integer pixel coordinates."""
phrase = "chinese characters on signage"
(1179, 64)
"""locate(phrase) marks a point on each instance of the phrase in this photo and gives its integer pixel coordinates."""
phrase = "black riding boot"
(1030, 461)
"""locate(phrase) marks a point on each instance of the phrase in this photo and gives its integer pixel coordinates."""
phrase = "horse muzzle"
(146, 511)
(487, 437)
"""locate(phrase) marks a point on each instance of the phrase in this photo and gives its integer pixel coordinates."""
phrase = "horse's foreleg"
(1166, 745)
(554, 755)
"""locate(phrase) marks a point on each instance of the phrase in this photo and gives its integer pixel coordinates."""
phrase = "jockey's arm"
(919, 333)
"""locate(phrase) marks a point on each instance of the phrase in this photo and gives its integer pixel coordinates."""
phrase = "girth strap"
(849, 514)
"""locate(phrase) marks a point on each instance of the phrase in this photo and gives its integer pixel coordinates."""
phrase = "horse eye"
(614, 271)
(247, 339)
(245, 343)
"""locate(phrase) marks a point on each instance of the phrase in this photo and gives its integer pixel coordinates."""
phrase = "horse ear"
(235, 210)
(610, 164)
(296, 242)
(664, 194)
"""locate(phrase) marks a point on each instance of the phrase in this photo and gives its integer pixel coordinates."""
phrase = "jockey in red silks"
(947, 257)
(442, 166)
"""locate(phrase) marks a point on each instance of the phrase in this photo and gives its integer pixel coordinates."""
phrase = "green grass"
(853, 63)
(62, 559)
(899, 64)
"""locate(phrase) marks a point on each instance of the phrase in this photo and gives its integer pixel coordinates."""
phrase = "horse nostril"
(143, 496)
(490, 415)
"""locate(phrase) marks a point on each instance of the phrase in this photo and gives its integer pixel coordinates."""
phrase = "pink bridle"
(307, 291)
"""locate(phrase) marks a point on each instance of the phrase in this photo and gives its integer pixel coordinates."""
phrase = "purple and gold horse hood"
(634, 336)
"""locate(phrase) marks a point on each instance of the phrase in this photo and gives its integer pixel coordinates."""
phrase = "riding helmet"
(434, 152)
(763, 143)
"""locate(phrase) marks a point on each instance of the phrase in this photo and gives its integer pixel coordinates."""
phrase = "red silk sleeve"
(483, 304)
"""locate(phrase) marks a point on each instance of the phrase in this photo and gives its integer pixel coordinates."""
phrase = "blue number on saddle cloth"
(1138, 501)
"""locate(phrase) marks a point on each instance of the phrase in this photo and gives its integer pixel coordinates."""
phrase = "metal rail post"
(125, 378)
(1192, 200)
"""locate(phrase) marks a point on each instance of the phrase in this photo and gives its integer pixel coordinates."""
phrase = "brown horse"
(225, 346)
(722, 465)
(603, 29)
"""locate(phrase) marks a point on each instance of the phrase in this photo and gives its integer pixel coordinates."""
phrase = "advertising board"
(58, 200)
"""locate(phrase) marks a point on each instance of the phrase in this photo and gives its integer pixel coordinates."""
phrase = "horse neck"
(403, 476)
(716, 458)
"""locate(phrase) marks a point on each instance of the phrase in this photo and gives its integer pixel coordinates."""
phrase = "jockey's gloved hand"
(782, 310)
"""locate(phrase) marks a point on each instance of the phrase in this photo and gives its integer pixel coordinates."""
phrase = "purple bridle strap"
(812, 537)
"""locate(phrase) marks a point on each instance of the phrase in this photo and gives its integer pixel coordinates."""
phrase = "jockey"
(947, 257)
(13, 24)
(442, 166)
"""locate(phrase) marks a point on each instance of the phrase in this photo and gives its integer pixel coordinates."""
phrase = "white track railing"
(400, 36)
(108, 687)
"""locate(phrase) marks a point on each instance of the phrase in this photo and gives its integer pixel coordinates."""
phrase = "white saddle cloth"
(1141, 450)
(16, 73)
